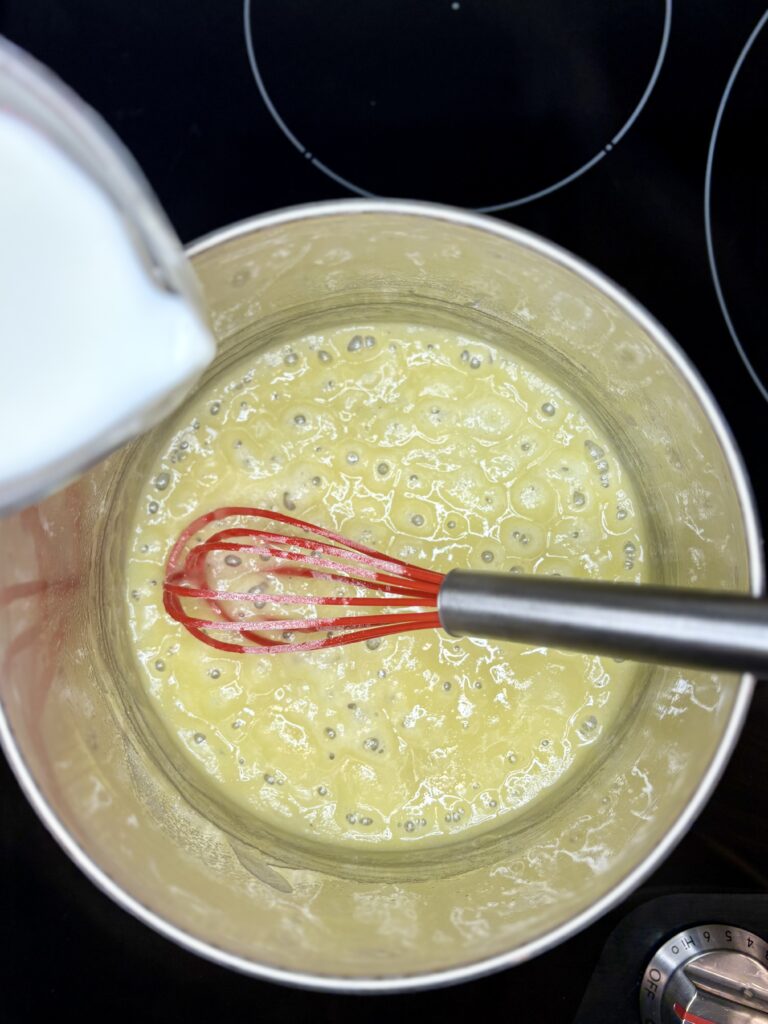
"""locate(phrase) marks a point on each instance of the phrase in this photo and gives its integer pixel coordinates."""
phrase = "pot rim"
(549, 939)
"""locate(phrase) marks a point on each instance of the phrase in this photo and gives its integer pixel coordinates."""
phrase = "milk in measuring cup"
(91, 348)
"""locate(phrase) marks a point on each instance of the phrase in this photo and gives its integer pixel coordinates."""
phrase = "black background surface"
(474, 106)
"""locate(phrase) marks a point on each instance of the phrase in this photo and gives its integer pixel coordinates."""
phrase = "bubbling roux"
(443, 450)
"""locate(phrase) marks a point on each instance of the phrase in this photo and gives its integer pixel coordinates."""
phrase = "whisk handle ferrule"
(667, 625)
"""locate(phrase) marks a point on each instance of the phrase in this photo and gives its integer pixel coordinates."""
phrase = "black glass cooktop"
(628, 132)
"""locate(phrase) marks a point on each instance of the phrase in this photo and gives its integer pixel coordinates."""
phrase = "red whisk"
(228, 577)
(361, 578)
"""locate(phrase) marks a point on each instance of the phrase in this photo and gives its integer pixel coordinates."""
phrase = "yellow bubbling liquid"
(433, 447)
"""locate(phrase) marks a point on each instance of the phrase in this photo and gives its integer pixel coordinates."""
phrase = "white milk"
(91, 350)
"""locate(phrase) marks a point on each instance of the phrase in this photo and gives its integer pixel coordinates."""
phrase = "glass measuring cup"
(73, 202)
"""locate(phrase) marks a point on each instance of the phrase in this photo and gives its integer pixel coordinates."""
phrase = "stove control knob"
(710, 974)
